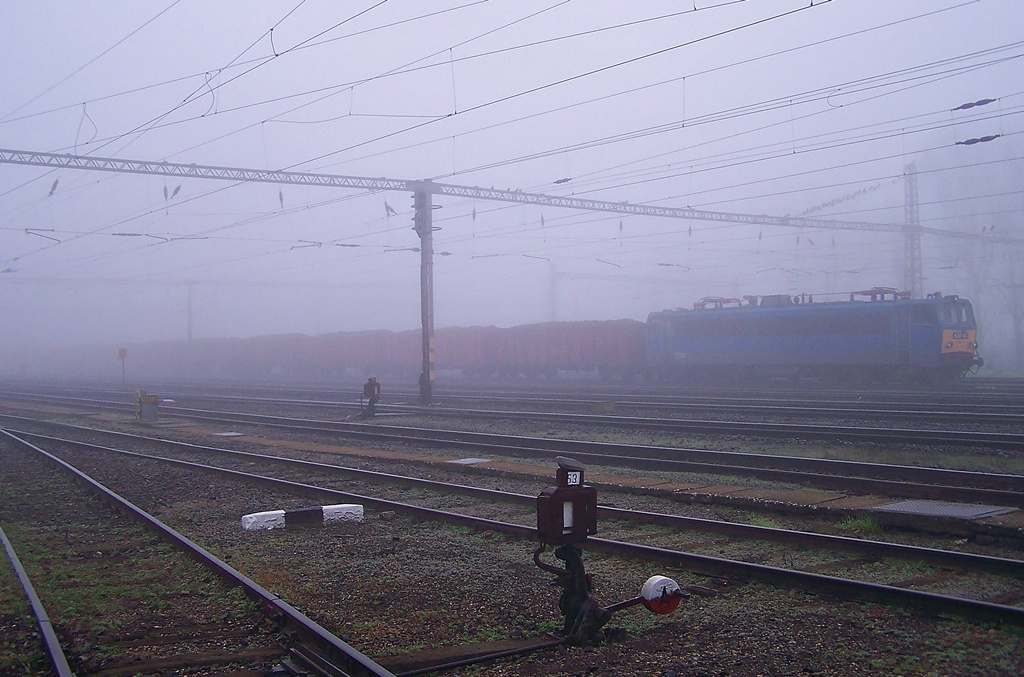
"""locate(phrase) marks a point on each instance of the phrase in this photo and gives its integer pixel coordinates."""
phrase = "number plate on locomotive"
(959, 336)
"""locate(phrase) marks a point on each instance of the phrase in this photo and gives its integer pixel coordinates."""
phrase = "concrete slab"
(942, 509)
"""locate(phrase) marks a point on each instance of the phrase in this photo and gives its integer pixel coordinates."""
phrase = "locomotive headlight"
(975, 345)
(949, 345)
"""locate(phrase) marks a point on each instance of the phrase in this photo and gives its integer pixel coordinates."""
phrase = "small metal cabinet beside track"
(146, 406)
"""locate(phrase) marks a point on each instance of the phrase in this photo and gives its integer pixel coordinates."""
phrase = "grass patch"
(860, 525)
(636, 622)
(764, 521)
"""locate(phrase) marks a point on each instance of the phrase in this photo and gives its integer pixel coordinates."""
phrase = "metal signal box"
(567, 513)
(146, 406)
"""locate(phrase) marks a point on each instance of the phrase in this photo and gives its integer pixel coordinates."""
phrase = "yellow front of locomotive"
(959, 335)
(959, 341)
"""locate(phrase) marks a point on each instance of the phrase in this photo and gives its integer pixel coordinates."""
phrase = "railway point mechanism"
(566, 516)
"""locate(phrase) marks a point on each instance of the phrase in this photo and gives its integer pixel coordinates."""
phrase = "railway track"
(240, 460)
(979, 394)
(950, 416)
(972, 387)
(857, 477)
(124, 603)
(780, 549)
(848, 588)
(854, 434)
(947, 409)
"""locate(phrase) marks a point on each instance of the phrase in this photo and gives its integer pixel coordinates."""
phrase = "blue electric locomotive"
(886, 336)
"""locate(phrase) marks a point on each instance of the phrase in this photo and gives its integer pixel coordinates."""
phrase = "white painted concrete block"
(348, 512)
(271, 519)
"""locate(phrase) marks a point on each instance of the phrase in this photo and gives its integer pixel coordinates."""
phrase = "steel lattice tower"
(913, 279)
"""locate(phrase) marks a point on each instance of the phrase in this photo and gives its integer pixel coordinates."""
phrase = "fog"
(775, 107)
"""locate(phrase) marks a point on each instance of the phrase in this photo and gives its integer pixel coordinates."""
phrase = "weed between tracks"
(860, 526)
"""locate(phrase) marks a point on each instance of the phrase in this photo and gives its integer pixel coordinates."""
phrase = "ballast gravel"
(392, 585)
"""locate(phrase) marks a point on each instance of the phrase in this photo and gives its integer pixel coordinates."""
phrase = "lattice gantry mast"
(913, 277)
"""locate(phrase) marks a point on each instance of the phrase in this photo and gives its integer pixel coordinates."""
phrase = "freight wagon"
(609, 348)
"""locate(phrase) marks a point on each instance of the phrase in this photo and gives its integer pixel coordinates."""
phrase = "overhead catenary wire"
(563, 81)
(944, 9)
(307, 41)
(757, 22)
(157, 209)
(751, 109)
(559, 151)
(549, 221)
(235, 63)
(144, 127)
(89, 62)
(706, 71)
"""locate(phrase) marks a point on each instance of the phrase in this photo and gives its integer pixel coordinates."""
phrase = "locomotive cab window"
(967, 312)
(957, 314)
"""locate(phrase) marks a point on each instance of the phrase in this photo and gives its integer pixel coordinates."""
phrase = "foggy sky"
(760, 107)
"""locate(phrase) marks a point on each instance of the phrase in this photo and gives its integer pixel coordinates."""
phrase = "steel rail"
(711, 566)
(920, 436)
(450, 664)
(964, 485)
(915, 436)
(520, 444)
(338, 657)
(958, 411)
(931, 483)
(844, 410)
(645, 391)
(636, 396)
(53, 648)
(1000, 394)
(1009, 415)
(938, 557)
